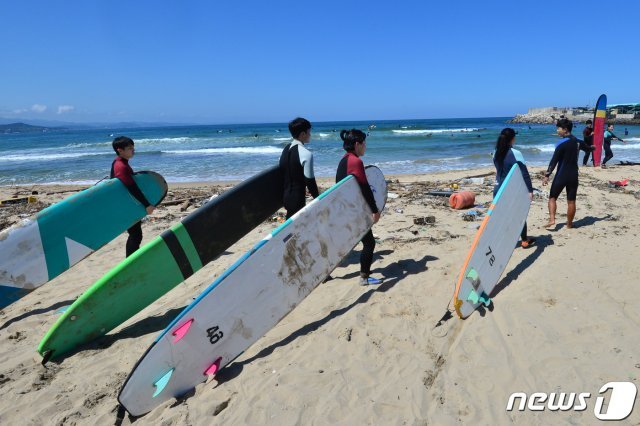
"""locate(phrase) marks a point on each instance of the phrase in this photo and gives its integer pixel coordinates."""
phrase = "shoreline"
(76, 186)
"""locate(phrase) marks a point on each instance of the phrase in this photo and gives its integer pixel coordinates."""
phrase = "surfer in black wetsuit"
(353, 141)
(120, 168)
(587, 137)
(565, 157)
(296, 163)
(504, 159)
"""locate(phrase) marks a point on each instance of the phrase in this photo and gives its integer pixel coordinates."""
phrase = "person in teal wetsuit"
(608, 137)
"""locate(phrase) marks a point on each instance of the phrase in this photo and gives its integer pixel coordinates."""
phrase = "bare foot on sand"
(550, 225)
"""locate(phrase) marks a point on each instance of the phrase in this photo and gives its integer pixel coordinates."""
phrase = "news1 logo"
(618, 407)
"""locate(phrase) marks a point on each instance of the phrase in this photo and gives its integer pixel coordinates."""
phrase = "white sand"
(564, 321)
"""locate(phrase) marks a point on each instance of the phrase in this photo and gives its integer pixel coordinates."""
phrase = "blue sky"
(239, 62)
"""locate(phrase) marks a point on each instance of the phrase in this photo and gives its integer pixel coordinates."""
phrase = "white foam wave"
(238, 150)
(427, 131)
(327, 135)
(47, 157)
(167, 140)
(85, 145)
(282, 139)
(615, 146)
(625, 146)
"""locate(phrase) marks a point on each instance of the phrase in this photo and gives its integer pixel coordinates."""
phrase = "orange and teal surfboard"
(599, 123)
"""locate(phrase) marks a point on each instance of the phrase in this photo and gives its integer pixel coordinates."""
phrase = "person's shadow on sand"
(138, 329)
(580, 223)
(392, 273)
(353, 258)
(542, 242)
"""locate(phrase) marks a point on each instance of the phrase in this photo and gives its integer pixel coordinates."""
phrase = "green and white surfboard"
(37, 250)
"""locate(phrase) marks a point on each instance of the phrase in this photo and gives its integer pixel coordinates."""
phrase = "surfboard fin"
(63, 309)
(46, 356)
(473, 278)
(213, 368)
(162, 382)
(476, 298)
(182, 330)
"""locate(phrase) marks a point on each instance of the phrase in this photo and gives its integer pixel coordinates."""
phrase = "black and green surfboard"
(165, 262)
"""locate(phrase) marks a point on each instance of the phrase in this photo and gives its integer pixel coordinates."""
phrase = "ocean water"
(234, 152)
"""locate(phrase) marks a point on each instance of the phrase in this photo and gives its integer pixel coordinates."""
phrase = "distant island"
(25, 128)
(616, 114)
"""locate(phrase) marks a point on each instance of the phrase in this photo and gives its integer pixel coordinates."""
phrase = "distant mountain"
(94, 125)
(25, 128)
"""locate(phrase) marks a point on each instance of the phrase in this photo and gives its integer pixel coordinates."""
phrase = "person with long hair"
(355, 145)
(504, 159)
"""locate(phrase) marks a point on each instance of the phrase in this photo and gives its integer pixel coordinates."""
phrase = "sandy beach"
(563, 321)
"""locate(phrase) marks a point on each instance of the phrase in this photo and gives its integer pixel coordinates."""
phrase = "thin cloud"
(62, 109)
(38, 108)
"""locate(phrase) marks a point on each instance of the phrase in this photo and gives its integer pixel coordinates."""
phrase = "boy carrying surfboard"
(120, 168)
(296, 163)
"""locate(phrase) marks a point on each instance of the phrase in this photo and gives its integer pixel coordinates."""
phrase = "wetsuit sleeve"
(125, 174)
(306, 160)
(585, 146)
(557, 155)
(357, 170)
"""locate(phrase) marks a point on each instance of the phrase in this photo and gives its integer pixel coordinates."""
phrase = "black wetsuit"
(352, 165)
(587, 135)
(296, 163)
(566, 158)
(512, 157)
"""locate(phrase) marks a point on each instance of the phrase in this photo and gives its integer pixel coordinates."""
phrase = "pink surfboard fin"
(182, 330)
(213, 368)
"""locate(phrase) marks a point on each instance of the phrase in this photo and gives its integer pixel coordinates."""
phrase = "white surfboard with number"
(493, 245)
(253, 295)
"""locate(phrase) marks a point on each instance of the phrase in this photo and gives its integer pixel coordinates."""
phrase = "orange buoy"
(462, 200)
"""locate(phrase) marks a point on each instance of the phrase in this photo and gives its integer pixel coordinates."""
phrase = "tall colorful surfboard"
(165, 262)
(599, 123)
(493, 245)
(253, 295)
(39, 249)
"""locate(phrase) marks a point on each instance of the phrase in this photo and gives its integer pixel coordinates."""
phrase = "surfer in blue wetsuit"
(354, 142)
(120, 168)
(296, 163)
(608, 137)
(504, 159)
(565, 157)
